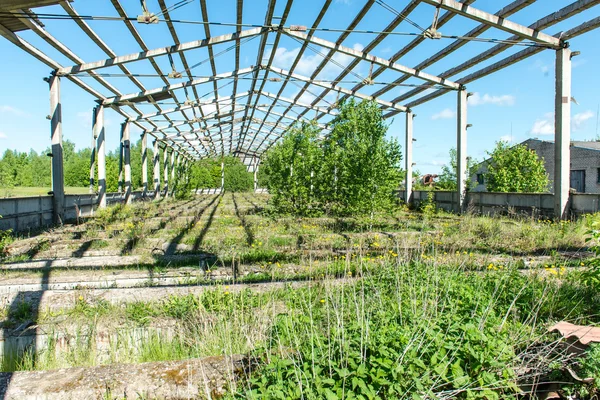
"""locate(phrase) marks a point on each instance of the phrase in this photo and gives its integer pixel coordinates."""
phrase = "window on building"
(480, 180)
(598, 176)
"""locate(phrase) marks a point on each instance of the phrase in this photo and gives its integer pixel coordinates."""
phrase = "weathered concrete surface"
(54, 300)
(190, 379)
(88, 262)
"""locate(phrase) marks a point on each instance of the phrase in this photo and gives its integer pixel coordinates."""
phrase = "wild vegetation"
(394, 305)
(327, 287)
(26, 174)
(515, 169)
(353, 170)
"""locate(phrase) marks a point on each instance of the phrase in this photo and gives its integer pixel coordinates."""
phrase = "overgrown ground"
(37, 191)
(405, 304)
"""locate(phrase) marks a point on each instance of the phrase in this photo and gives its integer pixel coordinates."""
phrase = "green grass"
(401, 305)
(38, 191)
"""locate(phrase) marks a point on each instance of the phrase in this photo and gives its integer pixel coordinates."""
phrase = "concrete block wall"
(486, 203)
(29, 213)
(582, 158)
(24, 213)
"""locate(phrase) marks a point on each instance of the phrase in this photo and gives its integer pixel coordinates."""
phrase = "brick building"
(585, 165)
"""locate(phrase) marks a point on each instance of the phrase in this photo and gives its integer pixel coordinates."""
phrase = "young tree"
(362, 167)
(293, 170)
(515, 169)
(447, 179)
(353, 170)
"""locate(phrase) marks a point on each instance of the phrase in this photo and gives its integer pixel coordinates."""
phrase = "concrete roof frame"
(254, 134)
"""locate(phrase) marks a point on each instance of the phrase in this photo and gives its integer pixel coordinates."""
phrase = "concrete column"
(127, 161)
(255, 174)
(178, 167)
(166, 169)
(156, 171)
(120, 183)
(461, 150)
(58, 181)
(562, 134)
(93, 159)
(145, 162)
(101, 145)
(172, 171)
(408, 157)
(186, 170)
(222, 176)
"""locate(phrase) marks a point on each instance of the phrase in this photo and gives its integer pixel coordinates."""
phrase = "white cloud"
(12, 110)
(503, 100)
(545, 125)
(578, 62)
(541, 66)
(433, 163)
(578, 120)
(284, 59)
(3, 135)
(444, 114)
(209, 109)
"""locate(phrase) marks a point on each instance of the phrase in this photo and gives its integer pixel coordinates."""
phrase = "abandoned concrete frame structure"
(224, 131)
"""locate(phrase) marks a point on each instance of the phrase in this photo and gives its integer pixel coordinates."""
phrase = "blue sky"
(514, 104)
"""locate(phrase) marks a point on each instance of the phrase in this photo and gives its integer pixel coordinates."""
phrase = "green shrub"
(6, 238)
(354, 170)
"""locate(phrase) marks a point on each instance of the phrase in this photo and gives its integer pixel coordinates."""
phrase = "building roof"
(584, 144)
(592, 145)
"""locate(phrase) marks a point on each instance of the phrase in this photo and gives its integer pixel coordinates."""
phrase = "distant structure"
(429, 179)
(585, 165)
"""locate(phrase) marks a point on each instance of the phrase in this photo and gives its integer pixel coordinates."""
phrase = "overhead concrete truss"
(247, 121)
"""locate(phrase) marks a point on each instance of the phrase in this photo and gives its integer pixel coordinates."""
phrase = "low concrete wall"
(28, 213)
(585, 203)
(23, 213)
(487, 203)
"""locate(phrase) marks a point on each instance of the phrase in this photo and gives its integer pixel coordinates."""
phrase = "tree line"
(21, 169)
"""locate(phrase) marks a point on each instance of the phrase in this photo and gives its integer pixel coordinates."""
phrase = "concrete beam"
(510, 60)
(127, 161)
(461, 150)
(58, 181)
(408, 157)
(162, 51)
(373, 59)
(496, 22)
(98, 127)
(336, 88)
(562, 133)
(175, 86)
(195, 104)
